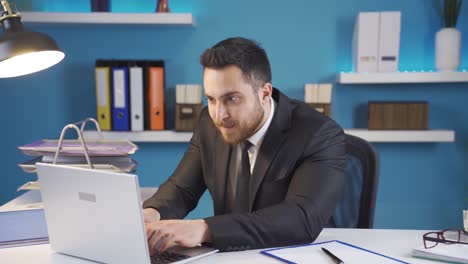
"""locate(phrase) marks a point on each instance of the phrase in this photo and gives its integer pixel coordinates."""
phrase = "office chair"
(357, 205)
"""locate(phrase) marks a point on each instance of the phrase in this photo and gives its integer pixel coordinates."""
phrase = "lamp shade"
(23, 51)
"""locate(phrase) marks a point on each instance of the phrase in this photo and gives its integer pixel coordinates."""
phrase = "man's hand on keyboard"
(151, 215)
(167, 233)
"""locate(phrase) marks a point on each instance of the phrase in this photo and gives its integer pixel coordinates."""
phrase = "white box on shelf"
(366, 42)
(325, 93)
(311, 93)
(389, 41)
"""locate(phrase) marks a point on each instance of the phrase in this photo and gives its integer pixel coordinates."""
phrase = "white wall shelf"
(143, 136)
(108, 18)
(402, 77)
(409, 136)
(388, 136)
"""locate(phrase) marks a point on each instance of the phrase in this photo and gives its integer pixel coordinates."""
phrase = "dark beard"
(248, 133)
(250, 130)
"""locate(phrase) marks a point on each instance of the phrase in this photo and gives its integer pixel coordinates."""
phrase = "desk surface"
(395, 243)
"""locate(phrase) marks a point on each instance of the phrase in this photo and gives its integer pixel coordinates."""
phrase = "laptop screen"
(93, 214)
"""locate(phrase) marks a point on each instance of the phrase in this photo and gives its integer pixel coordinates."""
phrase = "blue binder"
(120, 99)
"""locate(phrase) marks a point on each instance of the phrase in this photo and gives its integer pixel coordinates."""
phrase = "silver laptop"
(96, 215)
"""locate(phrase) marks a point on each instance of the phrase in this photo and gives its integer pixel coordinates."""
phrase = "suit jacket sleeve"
(314, 190)
(180, 194)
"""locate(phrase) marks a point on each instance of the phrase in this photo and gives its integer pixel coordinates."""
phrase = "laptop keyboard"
(167, 257)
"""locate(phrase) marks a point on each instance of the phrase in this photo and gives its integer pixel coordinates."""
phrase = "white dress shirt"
(256, 140)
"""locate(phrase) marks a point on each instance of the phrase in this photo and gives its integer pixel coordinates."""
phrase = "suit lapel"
(221, 157)
(272, 142)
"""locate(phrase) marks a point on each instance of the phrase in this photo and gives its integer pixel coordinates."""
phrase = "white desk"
(395, 243)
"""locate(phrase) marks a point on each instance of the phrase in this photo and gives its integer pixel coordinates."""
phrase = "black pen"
(336, 259)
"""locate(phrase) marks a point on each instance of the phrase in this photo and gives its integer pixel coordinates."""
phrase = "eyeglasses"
(447, 236)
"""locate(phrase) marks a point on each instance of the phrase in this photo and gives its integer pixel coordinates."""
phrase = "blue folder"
(26, 227)
(273, 254)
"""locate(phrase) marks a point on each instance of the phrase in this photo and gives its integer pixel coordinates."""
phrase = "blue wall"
(422, 186)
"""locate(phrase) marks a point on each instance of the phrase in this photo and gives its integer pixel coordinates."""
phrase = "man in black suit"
(274, 166)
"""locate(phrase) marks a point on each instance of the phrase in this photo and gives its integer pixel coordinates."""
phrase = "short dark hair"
(243, 53)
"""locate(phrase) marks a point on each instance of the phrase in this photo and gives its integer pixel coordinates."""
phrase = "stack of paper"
(457, 253)
(104, 154)
(74, 148)
(110, 155)
(109, 163)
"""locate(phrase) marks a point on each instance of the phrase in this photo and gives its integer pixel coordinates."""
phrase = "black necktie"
(243, 180)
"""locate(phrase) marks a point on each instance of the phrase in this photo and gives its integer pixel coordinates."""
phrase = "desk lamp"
(23, 51)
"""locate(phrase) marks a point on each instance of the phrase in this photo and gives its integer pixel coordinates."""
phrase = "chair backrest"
(357, 205)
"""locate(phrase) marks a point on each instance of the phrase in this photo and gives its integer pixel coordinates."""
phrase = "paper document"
(31, 185)
(109, 163)
(312, 253)
(457, 253)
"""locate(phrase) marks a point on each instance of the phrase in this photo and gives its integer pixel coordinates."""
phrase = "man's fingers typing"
(165, 234)
(158, 239)
(166, 242)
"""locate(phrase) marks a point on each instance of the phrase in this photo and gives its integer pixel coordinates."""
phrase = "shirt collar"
(257, 138)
